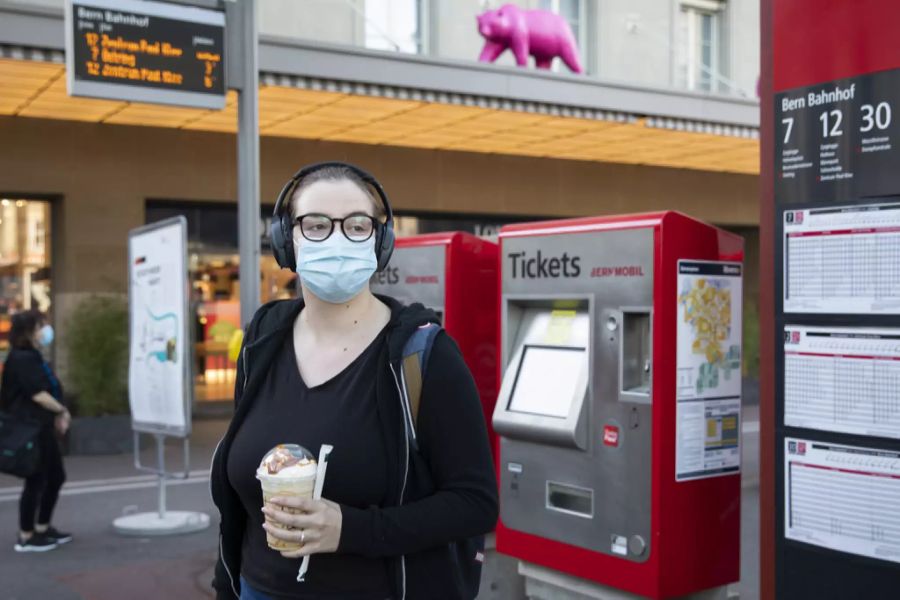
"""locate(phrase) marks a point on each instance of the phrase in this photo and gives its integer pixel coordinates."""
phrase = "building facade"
(666, 117)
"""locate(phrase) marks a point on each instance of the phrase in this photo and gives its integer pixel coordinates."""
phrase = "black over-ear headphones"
(282, 226)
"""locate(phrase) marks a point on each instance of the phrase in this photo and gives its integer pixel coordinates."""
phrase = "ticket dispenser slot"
(570, 499)
(635, 355)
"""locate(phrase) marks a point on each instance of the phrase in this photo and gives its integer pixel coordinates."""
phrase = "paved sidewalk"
(102, 565)
(205, 436)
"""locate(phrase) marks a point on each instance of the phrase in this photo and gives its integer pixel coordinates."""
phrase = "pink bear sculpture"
(541, 33)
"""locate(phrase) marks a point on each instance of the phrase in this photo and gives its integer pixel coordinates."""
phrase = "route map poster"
(159, 389)
(708, 369)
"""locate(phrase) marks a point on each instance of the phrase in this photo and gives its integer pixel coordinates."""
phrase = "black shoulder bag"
(19, 447)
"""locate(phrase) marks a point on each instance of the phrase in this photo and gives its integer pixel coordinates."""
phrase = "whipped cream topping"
(287, 460)
(304, 469)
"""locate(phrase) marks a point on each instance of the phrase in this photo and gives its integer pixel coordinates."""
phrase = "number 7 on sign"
(790, 127)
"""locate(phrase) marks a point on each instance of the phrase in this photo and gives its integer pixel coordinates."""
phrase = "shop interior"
(25, 281)
(213, 271)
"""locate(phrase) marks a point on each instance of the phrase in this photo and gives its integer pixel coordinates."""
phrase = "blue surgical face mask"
(45, 335)
(335, 270)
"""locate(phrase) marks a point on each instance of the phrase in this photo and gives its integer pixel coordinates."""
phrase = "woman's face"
(335, 268)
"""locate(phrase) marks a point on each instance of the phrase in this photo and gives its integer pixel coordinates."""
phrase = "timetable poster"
(708, 413)
(842, 379)
(842, 260)
(845, 498)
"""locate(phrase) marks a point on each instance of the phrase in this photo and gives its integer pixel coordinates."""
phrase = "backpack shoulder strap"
(415, 358)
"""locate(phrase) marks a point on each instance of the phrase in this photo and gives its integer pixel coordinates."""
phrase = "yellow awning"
(30, 88)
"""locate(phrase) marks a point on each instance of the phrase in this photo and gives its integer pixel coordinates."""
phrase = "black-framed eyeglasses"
(357, 227)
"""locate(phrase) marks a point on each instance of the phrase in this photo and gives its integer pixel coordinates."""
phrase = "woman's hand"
(62, 422)
(317, 526)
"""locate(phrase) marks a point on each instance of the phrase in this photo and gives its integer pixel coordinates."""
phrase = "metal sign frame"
(187, 334)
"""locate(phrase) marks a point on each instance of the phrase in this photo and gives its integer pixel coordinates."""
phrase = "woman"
(31, 390)
(324, 369)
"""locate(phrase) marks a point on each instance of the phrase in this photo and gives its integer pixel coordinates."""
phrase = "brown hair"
(23, 326)
(338, 173)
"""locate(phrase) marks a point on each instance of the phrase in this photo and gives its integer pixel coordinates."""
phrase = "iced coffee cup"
(287, 470)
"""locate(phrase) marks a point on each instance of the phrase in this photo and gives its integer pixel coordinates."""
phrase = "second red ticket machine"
(619, 411)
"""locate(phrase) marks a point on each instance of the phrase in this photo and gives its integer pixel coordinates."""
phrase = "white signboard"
(159, 379)
(708, 408)
(842, 260)
(845, 498)
(842, 379)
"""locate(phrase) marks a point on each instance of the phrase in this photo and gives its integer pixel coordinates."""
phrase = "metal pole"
(248, 161)
(161, 461)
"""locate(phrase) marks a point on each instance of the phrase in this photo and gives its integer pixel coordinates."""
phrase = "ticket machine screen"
(547, 380)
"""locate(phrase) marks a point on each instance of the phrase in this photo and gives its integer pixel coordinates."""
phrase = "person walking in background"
(30, 390)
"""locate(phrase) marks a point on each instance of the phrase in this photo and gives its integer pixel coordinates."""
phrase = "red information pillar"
(830, 299)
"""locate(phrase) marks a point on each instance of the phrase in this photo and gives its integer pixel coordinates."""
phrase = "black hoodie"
(442, 493)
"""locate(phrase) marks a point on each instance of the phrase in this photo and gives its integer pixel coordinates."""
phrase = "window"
(24, 261)
(700, 47)
(485, 226)
(213, 263)
(575, 14)
(395, 25)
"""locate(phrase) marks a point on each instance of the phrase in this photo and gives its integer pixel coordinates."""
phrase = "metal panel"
(614, 269)
(416, 274)
(341, 63)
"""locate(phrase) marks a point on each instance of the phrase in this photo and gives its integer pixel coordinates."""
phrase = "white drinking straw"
(324, 451)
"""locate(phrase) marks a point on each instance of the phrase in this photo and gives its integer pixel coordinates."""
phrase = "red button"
(611, 436)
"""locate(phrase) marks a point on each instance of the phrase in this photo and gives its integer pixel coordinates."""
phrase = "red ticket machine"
(618, 415)
(455, 274)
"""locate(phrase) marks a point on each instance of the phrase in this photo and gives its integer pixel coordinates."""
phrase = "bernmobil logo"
(621, 271)
(387, 277)
(540, 266)
(611, 436)
(417, 279)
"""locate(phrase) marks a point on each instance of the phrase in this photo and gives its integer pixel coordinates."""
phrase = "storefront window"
(485, 226)
(25, 281)
(213, 264)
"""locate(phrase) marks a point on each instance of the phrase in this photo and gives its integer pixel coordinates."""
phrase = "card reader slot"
(570, 499)
(635, 358)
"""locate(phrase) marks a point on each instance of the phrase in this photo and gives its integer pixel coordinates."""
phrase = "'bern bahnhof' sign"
(145, 51)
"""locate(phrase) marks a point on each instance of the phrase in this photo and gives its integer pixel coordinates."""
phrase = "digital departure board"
(145, 51)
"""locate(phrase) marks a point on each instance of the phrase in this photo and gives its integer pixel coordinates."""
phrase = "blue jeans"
(248, 593)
